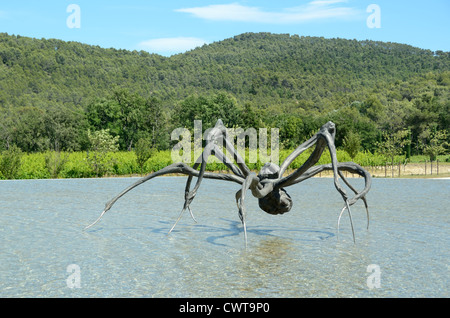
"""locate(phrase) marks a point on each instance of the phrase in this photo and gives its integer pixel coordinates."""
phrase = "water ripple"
(130, 254)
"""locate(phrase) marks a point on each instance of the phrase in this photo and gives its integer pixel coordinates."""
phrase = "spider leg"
(289, 159)
(322, 139)
(346, 207)
(219, 134)
(211, 149)
(251, 181)
(356, 192)
(347, 166)
(353, 168)
(186, 204)
(348, 202)
(216, 135)
(311, 161)
(179, 217)
(173, 168)
(329, 137)
(325, 138)
(190, 195)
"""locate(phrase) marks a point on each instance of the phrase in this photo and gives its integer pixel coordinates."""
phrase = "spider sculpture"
(268, 186)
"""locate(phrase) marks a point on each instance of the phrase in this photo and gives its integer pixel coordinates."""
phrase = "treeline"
(53, 94)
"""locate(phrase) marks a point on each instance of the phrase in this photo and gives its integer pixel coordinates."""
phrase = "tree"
(65, 129)
(435, 143)
(291, 131)
(352, 144)
(128, 116)
(49, 88)
(393, 145)
(10, 162)
(249, 117)
(144, 151)
(373, 108)
(28, 129)
(208, 110)
(101, 142)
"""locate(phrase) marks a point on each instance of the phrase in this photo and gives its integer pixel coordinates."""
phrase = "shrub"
(54, 162)
(144, 151)
(33, 167)
(102, 143)
(10, 162)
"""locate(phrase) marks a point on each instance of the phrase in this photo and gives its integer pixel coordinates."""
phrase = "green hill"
(52, 92)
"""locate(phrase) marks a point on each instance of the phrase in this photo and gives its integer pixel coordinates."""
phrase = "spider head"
(269, 171)
(278, 201)
(329, 128)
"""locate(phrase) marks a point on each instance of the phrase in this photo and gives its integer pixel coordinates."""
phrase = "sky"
(171, 27)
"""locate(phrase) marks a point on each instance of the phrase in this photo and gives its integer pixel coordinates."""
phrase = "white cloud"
(226, 12)
(326, 2)
(171, 45)
(314, 10)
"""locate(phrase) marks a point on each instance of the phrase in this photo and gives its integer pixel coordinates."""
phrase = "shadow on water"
(235, 228)
(217, 235)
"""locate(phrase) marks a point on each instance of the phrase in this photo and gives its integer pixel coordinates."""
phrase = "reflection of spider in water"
(268, 186)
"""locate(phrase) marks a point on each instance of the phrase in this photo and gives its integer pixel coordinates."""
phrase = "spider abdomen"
(276, 202)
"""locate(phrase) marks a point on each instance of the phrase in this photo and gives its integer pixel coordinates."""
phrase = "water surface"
(130, 254)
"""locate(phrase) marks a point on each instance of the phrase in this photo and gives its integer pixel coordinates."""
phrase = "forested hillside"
(53, 92)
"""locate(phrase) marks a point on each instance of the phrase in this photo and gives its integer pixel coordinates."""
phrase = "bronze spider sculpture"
(268, 186)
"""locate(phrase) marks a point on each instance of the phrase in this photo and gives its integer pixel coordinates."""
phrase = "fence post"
(425, 166)
(385, 169)
(392, 168)
(431, 166)
(399, 169)
(437, 166)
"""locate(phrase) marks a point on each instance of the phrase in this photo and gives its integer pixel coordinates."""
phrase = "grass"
(86, 165)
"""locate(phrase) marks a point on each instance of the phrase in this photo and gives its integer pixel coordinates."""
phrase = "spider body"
(270, 183)
(277, 201)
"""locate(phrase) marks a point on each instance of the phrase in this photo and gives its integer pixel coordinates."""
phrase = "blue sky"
(170, 27)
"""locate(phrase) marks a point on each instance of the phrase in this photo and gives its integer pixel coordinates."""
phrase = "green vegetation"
(144, 150)
(55, 96)
(10, 162)
(352, 144)
(435, 143)
(125, 163)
